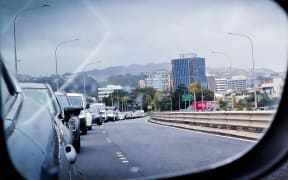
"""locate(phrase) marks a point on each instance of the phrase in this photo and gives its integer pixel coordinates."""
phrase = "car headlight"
(72, 124)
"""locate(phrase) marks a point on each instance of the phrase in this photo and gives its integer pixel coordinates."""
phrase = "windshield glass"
(63, 101)
(76, 100)
(41, 96)
(97, 107)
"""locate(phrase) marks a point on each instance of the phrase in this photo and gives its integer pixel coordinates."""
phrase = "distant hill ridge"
(133, 69)
(136, 69)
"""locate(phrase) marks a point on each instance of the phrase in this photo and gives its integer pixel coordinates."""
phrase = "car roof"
(33, 85)
(74, 94)
(59, 93)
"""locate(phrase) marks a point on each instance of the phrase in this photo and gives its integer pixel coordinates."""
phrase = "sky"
(113, 33)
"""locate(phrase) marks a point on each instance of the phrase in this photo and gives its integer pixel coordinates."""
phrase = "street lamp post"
(14, 35)
(230, 69)
(202, 98)
(253, 63)
(179, 102)
(171, 105)
(56, 59)
(229, 60)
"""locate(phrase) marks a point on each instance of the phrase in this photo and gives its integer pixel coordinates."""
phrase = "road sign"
(187, 97)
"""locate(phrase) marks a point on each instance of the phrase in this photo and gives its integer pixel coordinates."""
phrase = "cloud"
(139, 32)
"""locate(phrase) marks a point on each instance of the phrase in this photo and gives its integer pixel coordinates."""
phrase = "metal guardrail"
(244, 124)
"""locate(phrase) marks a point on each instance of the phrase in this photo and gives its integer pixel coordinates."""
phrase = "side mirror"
(70, 153)
(72, 110)
(87, 106)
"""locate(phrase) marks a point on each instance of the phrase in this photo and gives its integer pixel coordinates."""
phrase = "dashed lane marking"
(121, 157)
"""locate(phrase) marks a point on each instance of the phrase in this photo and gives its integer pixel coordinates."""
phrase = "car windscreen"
(76, 100)
(63, 101)
(41, 96)
(96, 108)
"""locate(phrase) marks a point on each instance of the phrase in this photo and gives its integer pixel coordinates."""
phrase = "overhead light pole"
(253, 63)
(56, 59)
(228, 58)
(230, 71)
(14, 34)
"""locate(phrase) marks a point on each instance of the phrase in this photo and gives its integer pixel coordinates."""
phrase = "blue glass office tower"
(189, 70)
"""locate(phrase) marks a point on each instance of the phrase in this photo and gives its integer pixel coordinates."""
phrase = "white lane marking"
(103, 132)
(121, 157)
(192, 131)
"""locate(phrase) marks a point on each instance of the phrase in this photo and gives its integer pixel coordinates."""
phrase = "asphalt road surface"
(135, 148)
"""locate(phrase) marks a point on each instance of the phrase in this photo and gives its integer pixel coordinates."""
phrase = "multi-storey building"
(221, 85)
(106, 91)
(187, 70)
(159, 80)
(238, 83)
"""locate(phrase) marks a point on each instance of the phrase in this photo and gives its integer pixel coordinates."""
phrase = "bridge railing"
(244, 124)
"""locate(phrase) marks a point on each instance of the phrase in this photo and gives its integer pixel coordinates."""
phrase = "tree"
(156, 99)
(147, 96)
(114, 99)
(176, 97)
(165, 104)
(195, 88)
(223, 104)
(265, 100)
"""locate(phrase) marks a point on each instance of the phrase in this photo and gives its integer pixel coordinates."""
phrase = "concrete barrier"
(244, 124)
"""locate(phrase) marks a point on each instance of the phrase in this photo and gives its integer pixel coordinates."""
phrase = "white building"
(238, 83)
(141, 83)
(159, 80)
(273, 89)
(106, 91)
(221, 85)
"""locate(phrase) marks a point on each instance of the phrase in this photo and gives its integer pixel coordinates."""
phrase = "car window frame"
(10, 171)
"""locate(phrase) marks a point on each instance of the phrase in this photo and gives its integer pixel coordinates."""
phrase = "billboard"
(207, 105)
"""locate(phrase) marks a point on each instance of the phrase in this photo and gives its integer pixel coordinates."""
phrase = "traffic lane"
(156, 149)
(99, 158)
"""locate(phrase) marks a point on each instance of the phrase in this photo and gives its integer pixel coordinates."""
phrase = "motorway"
(135, 148)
